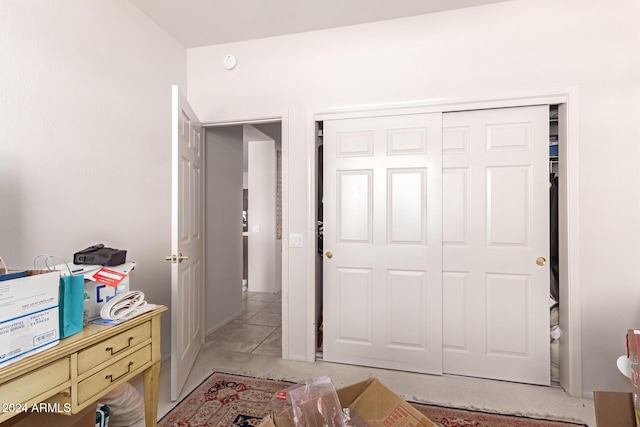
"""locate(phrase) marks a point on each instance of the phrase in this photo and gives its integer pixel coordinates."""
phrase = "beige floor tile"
(263, 318)
(267, 297)
(274, 307)
(272, 345)
(239, 335)
(255, 305)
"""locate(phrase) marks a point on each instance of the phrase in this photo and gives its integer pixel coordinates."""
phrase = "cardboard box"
(100, 284)
(28, 315)
(613, 409)
(96, 295)
(370, 403)
(633, 345)
(378, 406)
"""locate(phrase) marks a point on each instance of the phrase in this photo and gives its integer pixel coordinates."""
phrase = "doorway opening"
(243, 269)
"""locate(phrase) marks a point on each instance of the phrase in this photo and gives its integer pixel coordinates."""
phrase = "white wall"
(223, 194)
(262, 211)
(494, 50)
(85, 127)
(274, 131)
(85, 140)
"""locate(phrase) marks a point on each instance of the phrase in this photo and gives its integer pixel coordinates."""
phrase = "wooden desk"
(86, 366)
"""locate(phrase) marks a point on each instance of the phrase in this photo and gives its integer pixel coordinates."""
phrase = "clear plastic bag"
(312, 404)
(281, 409)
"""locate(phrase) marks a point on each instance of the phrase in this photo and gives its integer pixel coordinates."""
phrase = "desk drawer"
(35, 383)
(119, 372)
(107, 349)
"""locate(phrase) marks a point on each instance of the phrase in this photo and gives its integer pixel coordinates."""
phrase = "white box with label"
(28, 315)
(100, 284)
(96, 295)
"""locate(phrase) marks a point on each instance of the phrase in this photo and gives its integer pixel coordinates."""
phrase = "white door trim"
(281, 116)
(571, 347)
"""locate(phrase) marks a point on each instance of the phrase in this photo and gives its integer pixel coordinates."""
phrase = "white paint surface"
(190, 22)
(88, 85)
(223, 188)
(263, 271)
(85, 135)
(503, 49)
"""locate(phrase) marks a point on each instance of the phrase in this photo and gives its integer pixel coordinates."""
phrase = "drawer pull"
(110, 377)
(121, 350)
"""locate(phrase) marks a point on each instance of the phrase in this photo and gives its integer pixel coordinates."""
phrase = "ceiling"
(197, 23)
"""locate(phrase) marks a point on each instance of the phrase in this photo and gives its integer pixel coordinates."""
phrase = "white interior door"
(187, 240)
(495, 229)
(383, 242)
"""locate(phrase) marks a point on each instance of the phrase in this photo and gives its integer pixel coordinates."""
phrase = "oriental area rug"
(235, 400)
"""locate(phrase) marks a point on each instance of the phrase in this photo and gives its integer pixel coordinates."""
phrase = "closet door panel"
(455, 139)
(355, 292)
(406, 295)
(382, 211)
(504, 153)
(508, 206)
(354, 207)
(407, 206)
(455, 301)
(507, 326)
(455, 207)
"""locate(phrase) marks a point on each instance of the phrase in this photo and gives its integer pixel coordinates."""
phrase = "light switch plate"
(295, 240)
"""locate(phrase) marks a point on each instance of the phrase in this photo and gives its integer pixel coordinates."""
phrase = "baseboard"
(222, 323)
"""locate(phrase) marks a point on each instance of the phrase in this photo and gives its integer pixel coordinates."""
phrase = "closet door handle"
(541, 261)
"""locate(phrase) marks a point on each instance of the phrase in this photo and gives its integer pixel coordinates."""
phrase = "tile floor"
(258, 330)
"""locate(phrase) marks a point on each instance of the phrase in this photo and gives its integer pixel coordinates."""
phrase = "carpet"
(235, 400)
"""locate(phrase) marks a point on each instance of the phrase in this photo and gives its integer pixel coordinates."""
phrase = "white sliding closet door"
(495, 235)
(383, 242)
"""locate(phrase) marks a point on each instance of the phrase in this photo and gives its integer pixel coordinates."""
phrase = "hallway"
(257, 330)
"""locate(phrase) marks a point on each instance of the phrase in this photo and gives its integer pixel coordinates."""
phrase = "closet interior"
(554, 279)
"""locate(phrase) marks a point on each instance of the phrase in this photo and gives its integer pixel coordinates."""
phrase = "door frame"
(281, 116)
(568, 97)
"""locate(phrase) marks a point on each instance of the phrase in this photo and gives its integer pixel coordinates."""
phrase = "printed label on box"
(108, 277)
(28, 334)
(401, 417)
(28, 315)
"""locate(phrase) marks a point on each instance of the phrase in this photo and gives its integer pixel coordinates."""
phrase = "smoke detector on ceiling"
(229, 62)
